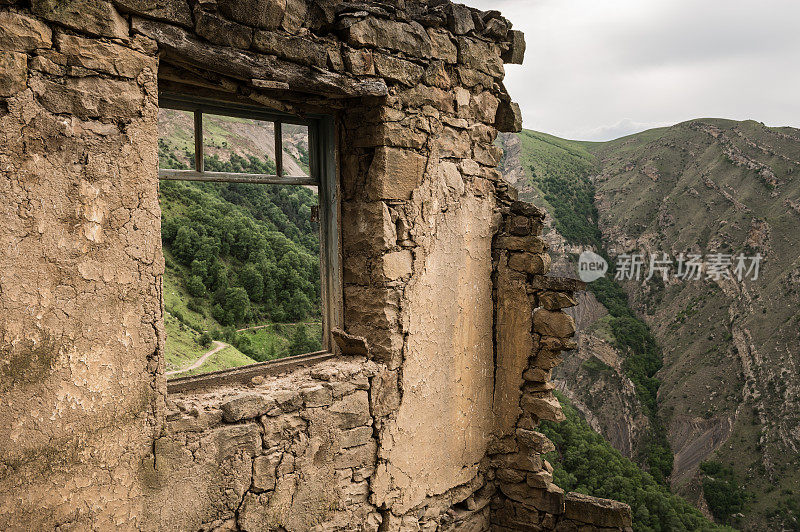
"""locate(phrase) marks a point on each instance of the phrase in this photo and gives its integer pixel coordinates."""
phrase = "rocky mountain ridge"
(729, 390)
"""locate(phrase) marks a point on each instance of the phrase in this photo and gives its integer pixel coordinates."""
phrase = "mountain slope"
(729, 385)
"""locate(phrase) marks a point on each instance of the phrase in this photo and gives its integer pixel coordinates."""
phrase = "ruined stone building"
(440, 325)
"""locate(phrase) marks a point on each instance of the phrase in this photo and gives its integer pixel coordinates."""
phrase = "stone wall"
(423, 432)
(531, 332)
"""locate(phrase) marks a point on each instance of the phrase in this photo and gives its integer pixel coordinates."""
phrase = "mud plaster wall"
(80, 274)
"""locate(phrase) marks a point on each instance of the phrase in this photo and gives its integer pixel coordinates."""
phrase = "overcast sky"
(601, 69)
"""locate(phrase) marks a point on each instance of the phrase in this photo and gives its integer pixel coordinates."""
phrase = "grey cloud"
(596, 69)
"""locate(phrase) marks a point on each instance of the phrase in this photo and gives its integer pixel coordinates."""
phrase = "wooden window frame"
(323, 170)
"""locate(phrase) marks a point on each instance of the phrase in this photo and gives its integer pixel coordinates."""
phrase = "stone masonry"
(430, 424)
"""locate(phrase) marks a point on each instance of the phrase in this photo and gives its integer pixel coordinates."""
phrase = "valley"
(719, 386)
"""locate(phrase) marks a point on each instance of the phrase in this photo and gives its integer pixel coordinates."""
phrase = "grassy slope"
(703, 378)
(184, 326)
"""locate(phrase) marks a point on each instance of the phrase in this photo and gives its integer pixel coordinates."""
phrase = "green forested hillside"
(242, 260)
(585, 462)
(711, 359)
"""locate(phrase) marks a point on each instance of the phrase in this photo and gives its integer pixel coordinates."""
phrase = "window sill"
(243, 374)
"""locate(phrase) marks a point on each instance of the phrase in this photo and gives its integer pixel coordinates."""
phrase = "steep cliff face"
(730, 346)
(591, 376)
(729, 391)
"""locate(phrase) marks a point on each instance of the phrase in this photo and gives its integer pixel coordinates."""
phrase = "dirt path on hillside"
(218, 346)
(274, 324)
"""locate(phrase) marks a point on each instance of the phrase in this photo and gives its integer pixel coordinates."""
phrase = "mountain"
(242, 260)
(705, 368)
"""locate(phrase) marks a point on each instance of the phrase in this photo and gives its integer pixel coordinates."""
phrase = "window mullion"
(278, 149)
(198, 141)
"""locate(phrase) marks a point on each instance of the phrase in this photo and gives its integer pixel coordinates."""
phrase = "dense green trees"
(247, 252)
(587, 463)
(725, 497)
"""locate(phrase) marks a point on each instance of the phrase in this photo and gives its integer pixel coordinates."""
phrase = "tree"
(204, 340)
(237, 303)
(253, 282)
(300, 342)
(195, 286)
(298, 305)
(185, 245)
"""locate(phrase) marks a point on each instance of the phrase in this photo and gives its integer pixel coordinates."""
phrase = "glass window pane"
(175, 139)
(240, 145)
(296, 153)
(242, 277)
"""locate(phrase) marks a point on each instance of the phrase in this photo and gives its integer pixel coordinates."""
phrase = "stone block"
(359, 62)
(596, 511)
(96, 17)
(397, 264)
(422, 95)
(547, 407)
(296, 12)
(547, 360)
(484, 107)
(510, 476)
(508, 118)
(533, 263)
(394, 173)
(355, 437)
(231, 440)
(459, 19)
(350, 344)
(549, 499)
(246, 406)
(316, 396)
(453, 143)
(175, 11)
(559, 284)
(553, 323)
(352, 411)
(556, 300)
(515, 53)
(519, 225)
(481, 56)
(488, 154)
(288, 400)
(553, 343)
(411, 39)
(106, 58)
(442, 46)
(385, 396)
(264, 471)
(90, 97)
(218, 30)
(536, 375)
(264, 14)
(19, 33)
(539, 479)
(529, 244)
(13, 73)
(396, 69)
(297, 49)
(436, 76)
(451, 176)
(470, 77)
(369, 228)
(535, 441)
(359, 456)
